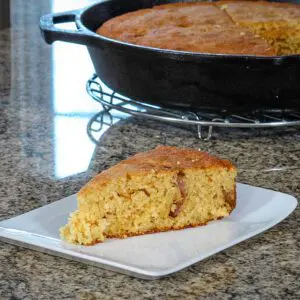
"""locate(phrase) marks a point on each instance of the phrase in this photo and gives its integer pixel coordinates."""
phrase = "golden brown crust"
(161, 159)
(177, 14)
(210, 39)
(194, 27)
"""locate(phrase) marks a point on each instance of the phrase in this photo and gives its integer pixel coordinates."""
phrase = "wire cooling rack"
(204, 121)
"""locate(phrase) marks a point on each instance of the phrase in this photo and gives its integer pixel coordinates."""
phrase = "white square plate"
(154, 255)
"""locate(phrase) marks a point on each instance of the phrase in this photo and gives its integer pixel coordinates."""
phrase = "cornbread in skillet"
(277, 23)
(228, 27)
(163, 189)
(195, 27)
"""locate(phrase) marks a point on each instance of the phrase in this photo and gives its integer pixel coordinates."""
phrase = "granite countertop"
(46, 155)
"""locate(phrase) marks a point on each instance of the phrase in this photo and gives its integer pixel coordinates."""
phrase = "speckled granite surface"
(46, 155)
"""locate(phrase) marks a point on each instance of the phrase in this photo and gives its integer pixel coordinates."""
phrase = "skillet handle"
(51, 33)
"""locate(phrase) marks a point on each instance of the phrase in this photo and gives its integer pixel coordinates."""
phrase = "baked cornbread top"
(209, 39)
(176, 14)
(194, 27)
(261, 11)
(162, 159)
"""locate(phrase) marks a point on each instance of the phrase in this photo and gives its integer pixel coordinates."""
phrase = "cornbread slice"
(194, 27)
(277, 23)
(162, 189)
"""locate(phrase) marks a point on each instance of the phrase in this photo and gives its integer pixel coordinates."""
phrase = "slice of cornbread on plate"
(163, 189)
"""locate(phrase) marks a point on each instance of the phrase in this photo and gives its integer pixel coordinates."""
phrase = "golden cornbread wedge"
(163, 189)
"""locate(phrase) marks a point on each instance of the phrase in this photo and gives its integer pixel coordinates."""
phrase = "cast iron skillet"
(175, 78)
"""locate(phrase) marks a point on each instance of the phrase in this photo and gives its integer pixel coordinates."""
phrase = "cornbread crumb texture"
(277, 23)
(230, 27)
(162, 189)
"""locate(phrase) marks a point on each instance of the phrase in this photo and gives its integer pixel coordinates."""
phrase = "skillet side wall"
(222, 82)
